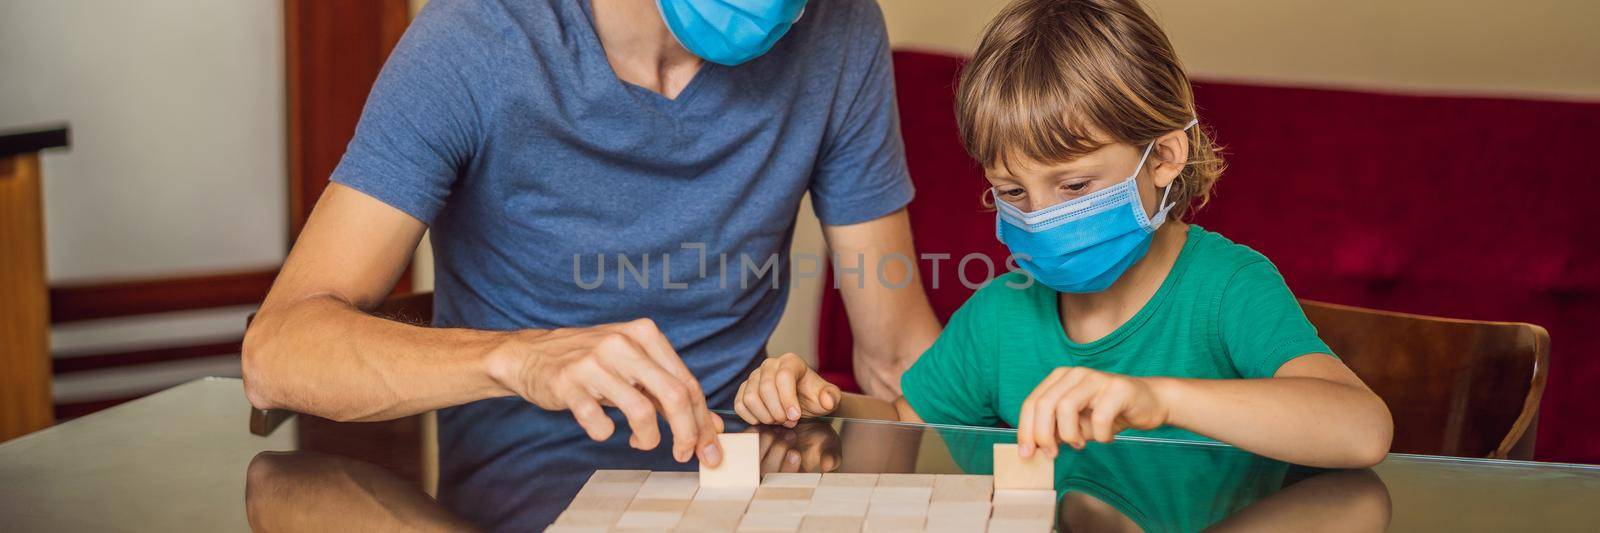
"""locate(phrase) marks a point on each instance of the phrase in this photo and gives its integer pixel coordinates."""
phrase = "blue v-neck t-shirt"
(558, 195)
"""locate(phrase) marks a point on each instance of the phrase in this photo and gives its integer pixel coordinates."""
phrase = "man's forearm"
(324, 357)
(879, 361)
(882, 289)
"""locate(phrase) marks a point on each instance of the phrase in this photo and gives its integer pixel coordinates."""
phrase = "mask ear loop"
(1161, 214)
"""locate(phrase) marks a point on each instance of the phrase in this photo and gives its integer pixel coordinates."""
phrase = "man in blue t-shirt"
(611, 188)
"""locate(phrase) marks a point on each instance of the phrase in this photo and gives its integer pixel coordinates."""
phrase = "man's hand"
(630, 366)
(782, 391)
(1075, 404)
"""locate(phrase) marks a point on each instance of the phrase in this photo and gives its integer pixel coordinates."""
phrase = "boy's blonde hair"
(1052, 76)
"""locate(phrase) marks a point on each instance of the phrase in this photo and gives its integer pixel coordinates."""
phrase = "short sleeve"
(419, 127)
(955, 381)
(861, 174)
(1262, 323)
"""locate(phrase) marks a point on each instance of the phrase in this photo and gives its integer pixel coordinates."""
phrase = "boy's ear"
(1168, 157)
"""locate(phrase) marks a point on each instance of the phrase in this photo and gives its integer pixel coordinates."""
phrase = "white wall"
(177, 163)
(1530, 47)
(177, 110)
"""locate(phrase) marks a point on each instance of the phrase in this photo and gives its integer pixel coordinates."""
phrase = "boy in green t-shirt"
(1124, 317)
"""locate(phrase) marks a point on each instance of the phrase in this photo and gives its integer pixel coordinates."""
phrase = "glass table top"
(186, 459)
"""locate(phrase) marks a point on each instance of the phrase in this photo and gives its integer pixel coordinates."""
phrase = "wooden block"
(830, 524)
(716, 507)
(708, 524)
(1021, 526)
(741, 462)
(602, 518)
(1024, 512)
(840, 479)
(649, 505)
(898, 508)
(893, 523)
(770, 522)
(962, 488)
(958, 509)
(784, 493)
(709, 516)
(725, 494)
(648, 520)
(842, 493)
(787, 479)
(795, 507)
(1011, 471)
(599, 502)
(901, 494)
(613, 490)
(669, 486)
(906, 480)
(619, 476)
(958, 517)
(1024, 497)
(856, 507)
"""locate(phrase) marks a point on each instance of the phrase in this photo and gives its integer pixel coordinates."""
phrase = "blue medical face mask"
(1083, 245)
(729, 32)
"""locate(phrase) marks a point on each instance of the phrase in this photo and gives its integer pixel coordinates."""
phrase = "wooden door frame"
(335, 49)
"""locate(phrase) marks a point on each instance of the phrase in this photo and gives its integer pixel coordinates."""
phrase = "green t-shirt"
(1223, 312)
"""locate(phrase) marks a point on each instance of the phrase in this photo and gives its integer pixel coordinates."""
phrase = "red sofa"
(1478, 208)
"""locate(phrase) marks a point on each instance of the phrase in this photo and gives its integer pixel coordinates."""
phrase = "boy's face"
(1030, 185)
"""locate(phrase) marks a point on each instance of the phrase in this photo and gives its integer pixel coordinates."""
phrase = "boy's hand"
(1075, 404)
(783, 390)
(811, 446)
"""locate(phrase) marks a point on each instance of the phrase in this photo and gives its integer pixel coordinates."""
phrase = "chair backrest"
(1455, 387)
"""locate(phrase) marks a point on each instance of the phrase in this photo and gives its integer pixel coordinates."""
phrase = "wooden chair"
(1455, 387)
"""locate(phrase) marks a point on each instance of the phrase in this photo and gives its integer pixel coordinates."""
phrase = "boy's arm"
(1313, 411)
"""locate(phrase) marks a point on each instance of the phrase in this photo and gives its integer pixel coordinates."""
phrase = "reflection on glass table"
(185, 459)
(1133, 485)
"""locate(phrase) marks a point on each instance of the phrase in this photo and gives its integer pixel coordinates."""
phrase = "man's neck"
(640, 48)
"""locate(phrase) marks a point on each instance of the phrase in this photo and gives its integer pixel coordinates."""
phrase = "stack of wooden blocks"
(732, 497)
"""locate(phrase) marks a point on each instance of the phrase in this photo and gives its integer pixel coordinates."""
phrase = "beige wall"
(1530, 47)
(1535, 48)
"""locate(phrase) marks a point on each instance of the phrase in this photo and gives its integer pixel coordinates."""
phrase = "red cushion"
(1474, 208)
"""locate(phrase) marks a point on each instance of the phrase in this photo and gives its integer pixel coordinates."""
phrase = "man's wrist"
(506, 357)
